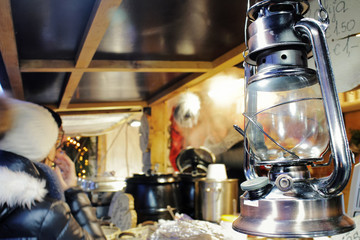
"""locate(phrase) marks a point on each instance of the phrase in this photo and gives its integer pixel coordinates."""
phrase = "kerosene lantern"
(292, 117)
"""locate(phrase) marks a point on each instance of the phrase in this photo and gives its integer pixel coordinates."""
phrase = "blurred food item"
(122, 211)
(111, 232)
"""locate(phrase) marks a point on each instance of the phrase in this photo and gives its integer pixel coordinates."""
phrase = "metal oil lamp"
(292, 116)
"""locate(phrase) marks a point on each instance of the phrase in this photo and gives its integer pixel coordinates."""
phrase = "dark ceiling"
(115, 54)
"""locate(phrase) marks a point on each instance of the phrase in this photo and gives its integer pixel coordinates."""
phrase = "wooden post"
(101, 155)
(159, 136)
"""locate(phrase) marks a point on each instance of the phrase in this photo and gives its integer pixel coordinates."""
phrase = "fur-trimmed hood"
(24, 182)
(20, 189)
(21, 182)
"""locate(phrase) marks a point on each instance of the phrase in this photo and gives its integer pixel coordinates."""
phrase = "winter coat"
(29, 211)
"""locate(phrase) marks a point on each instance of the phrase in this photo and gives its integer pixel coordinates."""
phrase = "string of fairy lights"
(80, 155)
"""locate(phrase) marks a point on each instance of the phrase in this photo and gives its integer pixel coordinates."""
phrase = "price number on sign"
(353, 235)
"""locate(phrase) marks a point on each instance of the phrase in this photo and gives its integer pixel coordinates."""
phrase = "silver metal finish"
(296, 172)
(249, 170)
(292, 203)
(216, 198)
(253, 12)
(271, 32)
(284, 182)
(102, 184)
(339, 144)
(284, 215)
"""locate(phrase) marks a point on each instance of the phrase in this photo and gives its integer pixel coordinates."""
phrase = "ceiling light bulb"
(135, 123)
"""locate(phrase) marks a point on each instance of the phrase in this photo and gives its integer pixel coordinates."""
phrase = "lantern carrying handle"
(337, 180)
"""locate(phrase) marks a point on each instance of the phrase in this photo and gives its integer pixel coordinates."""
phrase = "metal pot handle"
(216, 190)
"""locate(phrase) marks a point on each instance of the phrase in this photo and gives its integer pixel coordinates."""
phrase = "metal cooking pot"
(100, 191)
(153, 194)
(186, 187)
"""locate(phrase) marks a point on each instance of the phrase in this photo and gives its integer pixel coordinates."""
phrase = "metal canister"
(215, 198)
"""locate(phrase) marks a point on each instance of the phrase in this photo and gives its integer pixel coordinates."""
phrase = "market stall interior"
(177, 68)
(80, 56)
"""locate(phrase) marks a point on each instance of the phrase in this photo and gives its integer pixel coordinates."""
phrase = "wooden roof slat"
(70, 88)
(115, 66)
(227, 60)
(150, 66)
(96, 28)
(36, 65)
(8, 49)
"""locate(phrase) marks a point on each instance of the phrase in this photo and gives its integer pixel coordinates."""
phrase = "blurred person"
(49, 160)
(28, 209)
(58, 157)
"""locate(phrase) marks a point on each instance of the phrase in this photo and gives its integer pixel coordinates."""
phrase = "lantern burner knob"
(284, 182)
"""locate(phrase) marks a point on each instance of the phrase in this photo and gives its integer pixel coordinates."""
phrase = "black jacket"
(27, 211)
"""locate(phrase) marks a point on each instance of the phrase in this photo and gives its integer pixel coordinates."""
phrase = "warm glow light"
(135, 123)
(185, 47)
(224, 89)
(83, 171)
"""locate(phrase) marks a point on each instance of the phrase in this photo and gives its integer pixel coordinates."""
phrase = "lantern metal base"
(292, 218)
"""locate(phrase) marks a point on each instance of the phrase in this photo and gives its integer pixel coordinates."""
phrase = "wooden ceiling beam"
(95, 30)
(115, 66)
(102, 106)
(8, 49)
(94, 112)
(229, 59)
(350, 100)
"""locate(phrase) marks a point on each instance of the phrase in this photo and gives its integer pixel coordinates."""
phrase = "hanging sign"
(344, 46)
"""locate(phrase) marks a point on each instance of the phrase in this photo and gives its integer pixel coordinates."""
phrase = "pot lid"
(154, 178)
(194, 160)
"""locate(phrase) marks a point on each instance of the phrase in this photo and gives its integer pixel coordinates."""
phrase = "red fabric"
(177, 141)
